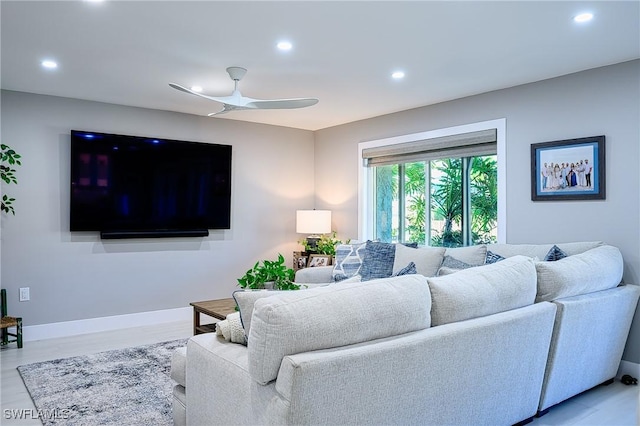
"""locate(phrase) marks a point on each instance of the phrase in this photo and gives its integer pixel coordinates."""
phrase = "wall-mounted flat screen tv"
(134, 186)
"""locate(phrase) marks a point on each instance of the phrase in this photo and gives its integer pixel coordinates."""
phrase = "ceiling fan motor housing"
(236, 73)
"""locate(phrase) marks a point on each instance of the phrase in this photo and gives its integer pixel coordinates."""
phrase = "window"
(438, 191)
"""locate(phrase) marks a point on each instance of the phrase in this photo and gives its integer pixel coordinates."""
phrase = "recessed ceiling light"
(583, 17)
(196, 89)
(47, 63)
(397, 75)
(284, 45)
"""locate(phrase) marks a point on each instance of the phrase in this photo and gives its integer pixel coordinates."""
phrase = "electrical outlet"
(24, 294)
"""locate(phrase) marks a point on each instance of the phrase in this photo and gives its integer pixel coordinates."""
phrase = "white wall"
(78, 276)
(604, 101)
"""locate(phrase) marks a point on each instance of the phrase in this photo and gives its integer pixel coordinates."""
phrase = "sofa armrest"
(317, 274)
(220, 390)
(179, 366)
(589, 337)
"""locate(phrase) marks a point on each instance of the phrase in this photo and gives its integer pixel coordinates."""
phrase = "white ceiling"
(126, 52)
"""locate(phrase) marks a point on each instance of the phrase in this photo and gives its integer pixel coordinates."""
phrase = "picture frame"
(300, 259)
(571, 169)
(319, 260)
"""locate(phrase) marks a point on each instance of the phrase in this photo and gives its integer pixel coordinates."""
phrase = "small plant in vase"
(326, 244)
(269, 271)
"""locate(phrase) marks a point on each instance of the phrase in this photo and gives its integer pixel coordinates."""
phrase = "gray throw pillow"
(453, 263)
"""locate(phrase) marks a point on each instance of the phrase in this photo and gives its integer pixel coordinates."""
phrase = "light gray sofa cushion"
(597, 269)
(315, 275)
(179, 366)
(333, 316)
(246, 299)
(473, 255)
(541, 250)
(483, 290)
(427, 259)
(179, 406)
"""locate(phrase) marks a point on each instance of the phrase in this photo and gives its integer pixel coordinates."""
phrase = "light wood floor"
(614, 405)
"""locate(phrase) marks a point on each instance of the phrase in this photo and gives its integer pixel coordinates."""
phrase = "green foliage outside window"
(446, 195)
(446, 201)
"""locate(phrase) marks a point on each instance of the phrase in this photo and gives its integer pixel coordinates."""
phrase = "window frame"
(366, 184)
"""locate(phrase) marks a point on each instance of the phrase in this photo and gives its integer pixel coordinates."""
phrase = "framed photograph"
(319, 260)
(572, 169)
(300, 260)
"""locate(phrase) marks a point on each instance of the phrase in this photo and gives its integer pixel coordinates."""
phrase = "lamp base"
(312, 242)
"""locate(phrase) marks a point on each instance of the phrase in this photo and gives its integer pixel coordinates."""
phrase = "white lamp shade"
(313, 221)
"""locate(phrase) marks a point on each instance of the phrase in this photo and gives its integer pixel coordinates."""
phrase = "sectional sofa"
(483, 335)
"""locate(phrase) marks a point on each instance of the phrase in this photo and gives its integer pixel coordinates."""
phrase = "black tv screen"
(129, 186)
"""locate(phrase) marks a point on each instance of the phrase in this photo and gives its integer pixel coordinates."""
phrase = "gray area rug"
(122, 387)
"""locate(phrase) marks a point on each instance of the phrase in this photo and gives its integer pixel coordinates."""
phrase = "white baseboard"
(94, 325)
(630, 368)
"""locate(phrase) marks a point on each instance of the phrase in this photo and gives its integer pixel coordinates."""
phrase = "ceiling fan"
(236, 101)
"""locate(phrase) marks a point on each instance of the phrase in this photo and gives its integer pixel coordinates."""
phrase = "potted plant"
(325, 245)
(7, 174)
(269, 271)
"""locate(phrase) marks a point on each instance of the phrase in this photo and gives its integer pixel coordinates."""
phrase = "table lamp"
(313, 222)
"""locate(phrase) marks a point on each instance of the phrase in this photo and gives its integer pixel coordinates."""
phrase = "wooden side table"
(218, 309)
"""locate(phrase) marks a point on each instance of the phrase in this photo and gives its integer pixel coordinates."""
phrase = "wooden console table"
(218, 309)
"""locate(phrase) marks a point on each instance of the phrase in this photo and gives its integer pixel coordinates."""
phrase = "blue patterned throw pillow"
(407, 270)
(348, 261)
(555, 254)
(378, 259)
(493, 257)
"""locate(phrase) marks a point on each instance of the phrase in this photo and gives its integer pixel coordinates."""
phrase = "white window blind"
(472, 144)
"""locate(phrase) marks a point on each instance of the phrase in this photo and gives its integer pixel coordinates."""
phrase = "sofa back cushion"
(483, 290)
(332, 316)
(426, 259)
(597, 269)
(541, 250)
(471, 255)
(246, 299)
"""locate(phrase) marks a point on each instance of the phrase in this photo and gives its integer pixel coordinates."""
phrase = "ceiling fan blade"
(221, 99)
(282, 103)
(226, 108)
(236, 101)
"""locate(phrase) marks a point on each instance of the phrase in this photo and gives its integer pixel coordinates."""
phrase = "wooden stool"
(8, 322)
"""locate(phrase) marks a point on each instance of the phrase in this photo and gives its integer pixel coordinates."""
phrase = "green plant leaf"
(7, 174)
(267, 271)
